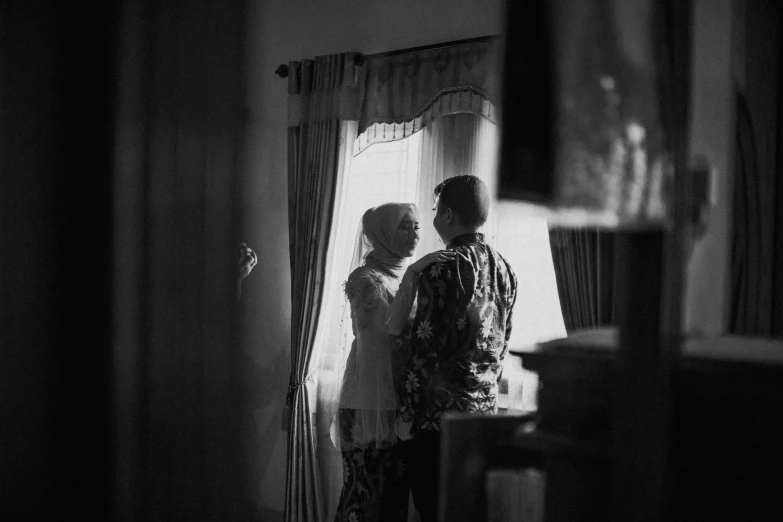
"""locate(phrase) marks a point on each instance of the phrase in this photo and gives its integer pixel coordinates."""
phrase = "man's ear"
(448, 216)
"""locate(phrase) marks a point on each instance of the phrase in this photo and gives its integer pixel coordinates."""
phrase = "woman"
(375, 479)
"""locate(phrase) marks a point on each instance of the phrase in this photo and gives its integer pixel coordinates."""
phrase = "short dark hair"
(467, 197)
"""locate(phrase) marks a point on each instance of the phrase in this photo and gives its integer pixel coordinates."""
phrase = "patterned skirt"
(375, 482)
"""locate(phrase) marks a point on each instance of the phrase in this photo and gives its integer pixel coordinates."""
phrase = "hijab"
(376, 241)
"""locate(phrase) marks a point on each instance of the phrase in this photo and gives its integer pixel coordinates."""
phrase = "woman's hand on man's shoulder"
(439, 256)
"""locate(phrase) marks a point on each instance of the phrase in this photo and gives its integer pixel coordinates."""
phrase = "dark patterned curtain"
(322, 95)
(584, 267)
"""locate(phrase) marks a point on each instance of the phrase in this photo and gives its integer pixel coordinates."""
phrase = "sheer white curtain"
(454, 145)
(384, 172)
(460, 144)
(408, 170)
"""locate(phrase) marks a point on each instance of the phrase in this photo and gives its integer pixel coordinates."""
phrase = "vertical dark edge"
(85, 129)
(527, 151)
(650, 275)
(681, 14)
(147, 54)
(777, 311)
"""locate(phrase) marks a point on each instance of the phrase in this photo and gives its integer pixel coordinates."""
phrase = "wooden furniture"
(726, 443)
(475, 445)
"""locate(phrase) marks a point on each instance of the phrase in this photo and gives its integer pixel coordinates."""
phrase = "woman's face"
(407, 236)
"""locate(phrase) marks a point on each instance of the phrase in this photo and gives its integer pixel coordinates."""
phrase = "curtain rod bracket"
(282, 71)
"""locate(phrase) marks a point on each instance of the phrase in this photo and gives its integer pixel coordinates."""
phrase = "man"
(460, 332)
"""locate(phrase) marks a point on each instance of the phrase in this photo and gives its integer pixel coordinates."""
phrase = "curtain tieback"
(289, 399)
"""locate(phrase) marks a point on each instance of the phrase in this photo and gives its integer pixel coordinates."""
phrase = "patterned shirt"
(459, 335)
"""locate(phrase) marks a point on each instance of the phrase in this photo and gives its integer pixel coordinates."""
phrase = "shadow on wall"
(264, 386)
(265, 363)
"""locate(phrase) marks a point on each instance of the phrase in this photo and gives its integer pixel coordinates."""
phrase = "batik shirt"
(459, 335)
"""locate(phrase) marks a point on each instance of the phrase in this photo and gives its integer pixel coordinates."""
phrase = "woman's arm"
(401, 306)
(368, 297)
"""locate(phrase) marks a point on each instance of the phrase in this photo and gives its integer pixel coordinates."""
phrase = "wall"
(712, 123)
(734, 48)
(278, 32)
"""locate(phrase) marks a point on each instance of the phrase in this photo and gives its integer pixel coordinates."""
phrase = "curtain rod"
(360, 59)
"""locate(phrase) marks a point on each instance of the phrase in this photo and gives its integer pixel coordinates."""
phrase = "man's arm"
(509, 314)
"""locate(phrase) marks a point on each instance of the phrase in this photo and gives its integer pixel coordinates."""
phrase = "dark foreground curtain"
(57, 93)
(321, 93)
(180, 125)
(584, 268)
(118, 258)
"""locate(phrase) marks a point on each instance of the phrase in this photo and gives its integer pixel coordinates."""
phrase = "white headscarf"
(375, 240)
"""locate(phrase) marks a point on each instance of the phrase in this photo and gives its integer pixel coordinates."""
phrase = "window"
(383, 173)
(407, 170)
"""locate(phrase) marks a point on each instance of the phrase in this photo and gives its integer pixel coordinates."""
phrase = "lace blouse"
(381, 308)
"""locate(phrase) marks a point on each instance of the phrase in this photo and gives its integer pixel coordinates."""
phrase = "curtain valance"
(404, 92)
(393, 96)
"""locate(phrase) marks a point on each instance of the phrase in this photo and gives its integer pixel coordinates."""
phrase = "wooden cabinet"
(725, 449)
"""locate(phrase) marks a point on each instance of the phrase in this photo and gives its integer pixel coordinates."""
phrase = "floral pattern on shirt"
(459, 335)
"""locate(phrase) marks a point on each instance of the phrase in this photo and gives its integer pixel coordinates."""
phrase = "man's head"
(461, 206)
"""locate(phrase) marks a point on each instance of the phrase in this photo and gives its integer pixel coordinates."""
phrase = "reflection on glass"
(610, 155)
(586, 78)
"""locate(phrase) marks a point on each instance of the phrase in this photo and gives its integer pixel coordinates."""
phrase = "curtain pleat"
(584, 268)
(312, 198)
(586, 305)
(578, 305)
(752, 258)
(579, 292)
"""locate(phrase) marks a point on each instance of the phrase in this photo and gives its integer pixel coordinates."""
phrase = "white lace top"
(381, 307)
